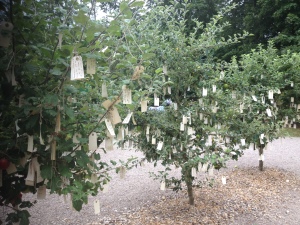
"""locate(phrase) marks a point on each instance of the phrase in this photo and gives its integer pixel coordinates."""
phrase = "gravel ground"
(135, 196)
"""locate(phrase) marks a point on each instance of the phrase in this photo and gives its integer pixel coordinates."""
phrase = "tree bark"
(261, 162)
(189, 184)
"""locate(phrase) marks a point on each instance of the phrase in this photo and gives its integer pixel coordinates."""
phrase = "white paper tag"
(214, 88)
(127, 99)
(292, 84)
(153, 141)
(41, 192)
(204, 92)
(204, 167)
(184, 119)
(190, 131)
(201, 116)
(181, 127)
(160, 145)
(269, 113)
(223, 180)
(30, 143)
(292, 99)
(77, 71)
(169, 90)
(254, 98)
(127, 119)
(104, 90)
(156, 101)
(163, 186)
(205, 120)
(97, 207)
(93, 141)
(243, 142)
(144, 106)
(270, 94)
(222, 75)
(91, 66)
(263, 100)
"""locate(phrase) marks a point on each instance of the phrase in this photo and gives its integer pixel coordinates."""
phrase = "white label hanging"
(263, 100)
(93, 141)
(104, 90)
(204, 92)
(127, 99)
(163, 186)
(30, 143)
(222, 75)
(127, 119)
(144, 106)
(184, 119)
(270, 94)
(91, 66)
(214, 88)
(269, 113)
(223, 180)
(153, 141)
(109, 144)
(169, 90)
(243, 142)
(254, 98)
(160, 145)
(97, 207)
(292, 99)
(77, 68)
(251, 146)
(156, 101)
(181, 127)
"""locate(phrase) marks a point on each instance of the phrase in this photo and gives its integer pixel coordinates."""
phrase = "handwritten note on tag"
(77, 68)
(91, 66)
(93, 141)
(127, 99)
(156, 101)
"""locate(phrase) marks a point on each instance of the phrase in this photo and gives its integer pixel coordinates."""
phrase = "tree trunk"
(189, 184)
(261, 162)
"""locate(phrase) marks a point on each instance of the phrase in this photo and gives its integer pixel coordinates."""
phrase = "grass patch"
(290, 132)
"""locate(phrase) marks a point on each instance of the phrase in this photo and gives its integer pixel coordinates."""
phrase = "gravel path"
(138, 190)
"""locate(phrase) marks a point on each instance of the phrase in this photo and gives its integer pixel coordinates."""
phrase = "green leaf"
(56, 71)
(137, 4)
(148, 56)
(77, 204)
